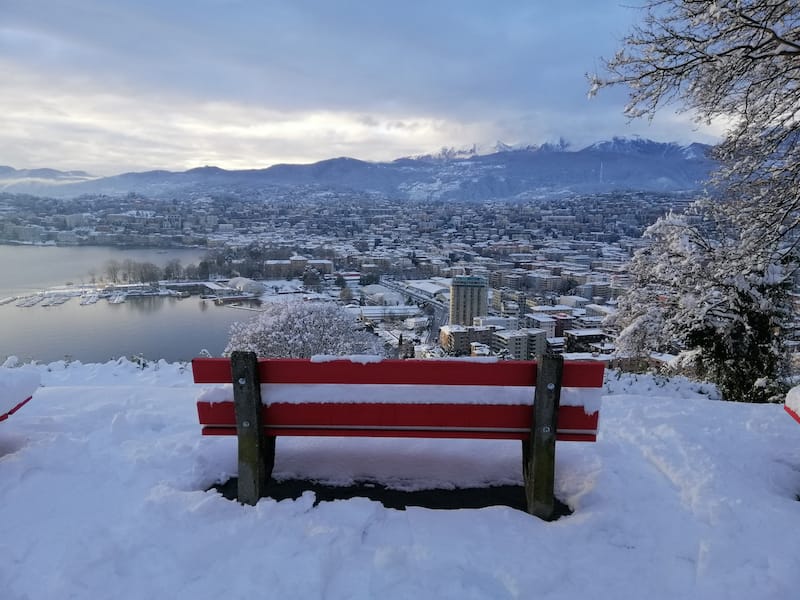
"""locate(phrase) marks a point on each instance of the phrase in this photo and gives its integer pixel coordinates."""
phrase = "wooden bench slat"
(400, 372)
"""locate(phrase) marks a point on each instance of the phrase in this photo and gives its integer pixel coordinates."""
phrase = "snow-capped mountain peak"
(643, 146)
(498, 147)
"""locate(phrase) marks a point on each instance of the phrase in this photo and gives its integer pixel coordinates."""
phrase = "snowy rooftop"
(429, 287)
(584, 332)
(541, 317)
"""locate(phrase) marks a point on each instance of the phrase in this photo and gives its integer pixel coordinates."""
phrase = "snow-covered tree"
(715, 286)
(737, 62)
(694, 294)
(301, 330)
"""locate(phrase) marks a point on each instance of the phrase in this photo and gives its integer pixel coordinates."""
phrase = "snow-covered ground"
(102, 479)
(16, 388)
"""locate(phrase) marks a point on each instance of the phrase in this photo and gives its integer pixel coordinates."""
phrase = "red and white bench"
(398, 398)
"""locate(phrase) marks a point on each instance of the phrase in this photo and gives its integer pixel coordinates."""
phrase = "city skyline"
(132, 86)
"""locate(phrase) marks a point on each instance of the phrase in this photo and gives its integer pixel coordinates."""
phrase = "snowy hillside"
(103, 476)
(502, 171)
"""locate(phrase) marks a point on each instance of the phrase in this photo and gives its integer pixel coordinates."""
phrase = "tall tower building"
(469, 297)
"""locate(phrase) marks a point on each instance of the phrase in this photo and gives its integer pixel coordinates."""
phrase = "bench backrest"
(402, 398)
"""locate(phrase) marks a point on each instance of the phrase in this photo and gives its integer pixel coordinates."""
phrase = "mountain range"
(504, 172)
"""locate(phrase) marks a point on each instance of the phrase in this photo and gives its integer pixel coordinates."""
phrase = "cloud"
(247, 83)
(73, 126)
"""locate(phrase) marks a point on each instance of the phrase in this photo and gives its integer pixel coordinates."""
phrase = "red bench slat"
(792, 413)
(468, 435)
(400, 372)
(490, 421)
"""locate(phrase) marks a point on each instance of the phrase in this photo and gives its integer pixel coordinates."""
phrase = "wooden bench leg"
(256, 451)
(539, 453)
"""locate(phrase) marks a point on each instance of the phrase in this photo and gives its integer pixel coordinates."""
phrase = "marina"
(60, 321)
(55, 300)
(113, 294)
(93, 328)
(29, 301)
(90, 298)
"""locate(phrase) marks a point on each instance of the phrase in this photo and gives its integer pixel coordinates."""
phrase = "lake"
(175, 329)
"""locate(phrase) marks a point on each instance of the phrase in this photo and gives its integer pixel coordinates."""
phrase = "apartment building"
(469, 298)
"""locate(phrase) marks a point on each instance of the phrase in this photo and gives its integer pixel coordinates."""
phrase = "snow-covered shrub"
(302, 330)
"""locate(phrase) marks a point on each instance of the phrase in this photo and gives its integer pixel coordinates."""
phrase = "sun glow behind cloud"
(107, 133)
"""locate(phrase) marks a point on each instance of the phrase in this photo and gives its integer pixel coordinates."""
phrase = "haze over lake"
(154, 327)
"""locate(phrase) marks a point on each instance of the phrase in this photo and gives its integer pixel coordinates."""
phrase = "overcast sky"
(118, 85)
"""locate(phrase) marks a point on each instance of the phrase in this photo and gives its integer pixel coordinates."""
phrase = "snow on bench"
(16, 389)
(398, 398)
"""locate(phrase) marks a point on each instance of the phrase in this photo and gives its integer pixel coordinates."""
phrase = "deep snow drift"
(102, 479)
